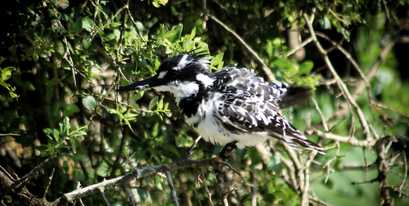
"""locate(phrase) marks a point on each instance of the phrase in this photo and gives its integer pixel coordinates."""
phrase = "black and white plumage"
(231, 105)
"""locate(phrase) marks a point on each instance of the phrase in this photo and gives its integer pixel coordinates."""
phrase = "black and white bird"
(231, 106)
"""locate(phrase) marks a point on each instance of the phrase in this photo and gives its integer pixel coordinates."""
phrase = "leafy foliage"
(62, 60)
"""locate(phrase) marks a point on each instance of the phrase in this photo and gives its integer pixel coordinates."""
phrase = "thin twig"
(225, 200)
(360, 86)
(265, 68)
(374, 68)
(209, 195)
(115, 165)
(132, 195)
(383, 168)
(405, 175)
(253, 189)
(79, 200)
(305, 192)
(101, 190)
(318, 201)
(344, 139)
(323, 119)
(7, 181)
(194, 145)
(9, 134)
(172, 187)
(290, 173)
(350, 58)
(34, 172)
(50, 179)
(68, 58)
(297, 167)
(302, 45)
(340, 83)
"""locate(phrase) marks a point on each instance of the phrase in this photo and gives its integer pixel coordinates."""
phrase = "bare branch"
(323, 119)
(253, 189)
(374, 69)
(297, 167)
(7, 182)
(340, 83)
(294, 41)
(132, 195)
(344, 139)
(34, 172)
(194, 145)
(137, 173)
(365, 82)
(50, 179)
(405, 174)
(101, 190)
(305, 198)
(265, 68)
(360, 86)
(302, 45)
(172, 187)
(10, 134)
(383, 168)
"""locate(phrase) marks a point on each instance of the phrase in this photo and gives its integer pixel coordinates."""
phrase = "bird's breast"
(205, 123)
(212, 130)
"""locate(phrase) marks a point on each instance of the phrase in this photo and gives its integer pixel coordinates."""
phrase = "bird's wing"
(241, 112)
(247, 80)
(249, 104)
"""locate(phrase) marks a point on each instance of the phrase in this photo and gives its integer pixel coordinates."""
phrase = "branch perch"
(137, 173)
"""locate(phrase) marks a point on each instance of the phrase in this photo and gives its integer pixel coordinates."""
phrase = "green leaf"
(70, 109)
(217, 61)
(102, 169)
(89, 102)
(174, 34)
(284, 64)
(6, 73)
(115, 35)
(87, 23)
(306, 67)
(4, 76)
(159, 3)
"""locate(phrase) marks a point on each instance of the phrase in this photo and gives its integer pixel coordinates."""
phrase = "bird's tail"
(301, 140)
(296, 139)
(294, 95)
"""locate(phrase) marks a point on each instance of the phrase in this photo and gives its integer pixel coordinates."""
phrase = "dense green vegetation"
(62, 123)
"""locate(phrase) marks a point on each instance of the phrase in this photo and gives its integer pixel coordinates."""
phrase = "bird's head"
(183, 76)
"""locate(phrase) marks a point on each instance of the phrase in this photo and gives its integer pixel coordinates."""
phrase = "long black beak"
(150, 82)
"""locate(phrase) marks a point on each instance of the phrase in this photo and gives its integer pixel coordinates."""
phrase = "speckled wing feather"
(248, 104)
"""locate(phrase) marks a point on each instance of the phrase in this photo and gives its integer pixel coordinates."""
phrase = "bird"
(232, 107)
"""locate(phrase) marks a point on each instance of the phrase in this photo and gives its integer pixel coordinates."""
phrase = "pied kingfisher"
(229, 107)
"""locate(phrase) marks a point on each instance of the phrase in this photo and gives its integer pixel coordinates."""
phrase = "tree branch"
(172, 187)
(265, 68)
(340, 83)
(302, 45)
(7, 182)
(344, 139)
(360, 86)
(137, 173)
(33, 173)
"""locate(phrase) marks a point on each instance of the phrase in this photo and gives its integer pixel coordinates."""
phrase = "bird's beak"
(146, 83)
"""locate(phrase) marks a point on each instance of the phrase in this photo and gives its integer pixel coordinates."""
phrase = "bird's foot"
(228, 150)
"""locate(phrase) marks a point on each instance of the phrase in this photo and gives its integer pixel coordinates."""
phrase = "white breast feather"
(214, 132)
(205, 79)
